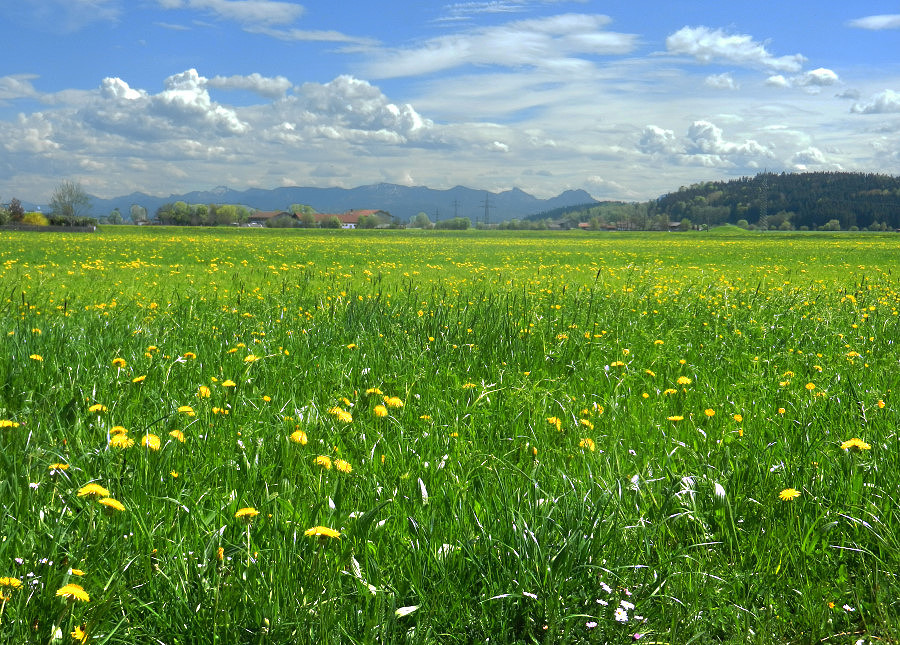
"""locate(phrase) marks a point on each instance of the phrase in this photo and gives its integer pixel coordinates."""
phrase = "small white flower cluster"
(621, 609)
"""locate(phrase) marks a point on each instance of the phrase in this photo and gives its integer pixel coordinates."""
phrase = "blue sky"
(626, 100)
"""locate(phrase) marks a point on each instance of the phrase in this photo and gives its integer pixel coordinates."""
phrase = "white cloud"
(820, 77)
(778, 80)
(17, 86)
(497, 146)
(706, 138)
(540, 42)
(254, 12)
(656, 140)
(710, 45)
(267, 87)
(883, 21)
(307, 35)
(63, 16)
(884, 102)
(721, 81)
(811, 156)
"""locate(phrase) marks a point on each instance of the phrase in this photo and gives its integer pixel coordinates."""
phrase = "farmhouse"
(260, 218)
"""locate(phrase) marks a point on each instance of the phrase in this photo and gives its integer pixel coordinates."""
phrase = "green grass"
(467, 503)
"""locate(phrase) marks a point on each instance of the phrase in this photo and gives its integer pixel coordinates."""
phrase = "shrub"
(35, 219)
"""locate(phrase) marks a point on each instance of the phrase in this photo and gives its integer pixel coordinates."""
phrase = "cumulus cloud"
(820, 77)
(811, 156)
(721, 81)
(710, 45)
(884, 102)
(498, 146)
(255, 12)
(539, 42)
(656, 140)
(348, 107)
(883, 21)
(267, 87)
(778, 80)
(707, 138)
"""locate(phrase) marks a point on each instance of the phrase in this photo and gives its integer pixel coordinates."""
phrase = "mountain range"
(402, 202)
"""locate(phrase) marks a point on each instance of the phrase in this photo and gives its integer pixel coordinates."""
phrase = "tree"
(16, 211)
(308, 220)
(332, 221)
(302, 209)
(138, 214)
(420, 221)
(115, 217)
(69, 201)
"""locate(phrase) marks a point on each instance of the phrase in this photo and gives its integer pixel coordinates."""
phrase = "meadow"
(255, 436)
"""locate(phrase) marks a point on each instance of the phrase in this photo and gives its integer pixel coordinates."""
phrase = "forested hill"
(786, 201)
(798, 199)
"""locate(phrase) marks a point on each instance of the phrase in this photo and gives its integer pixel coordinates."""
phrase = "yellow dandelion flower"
(119, 362)
(586, 423)
(76, 572)
(617, 364)
(266, 398)
(322, 532)
(469, 386)
(178, 435)
(810, 386)
(393, 402)
(880, 403)
(228, 383)
(118, 430)
(36, 357)
(97, 407)
(79, 634)
(670, 390)
(380, 411)
(789, 494)
(114, 504)
(709, 412)
(10, 583)
(324, 461)
(121, 441)
(675, 417)
(683, 380)
(343, 466)
(189, 355)
(204, 392)
(150, 441)
(657, 342)
(781, 410)
(222, 411)
(374, 391)
(246, 514)
(187, 410)
(93, 489)
(73, 592)
(588, 444)
(351, 346)
(139, 379)
(298, 436)
(738, 418)
(6, 423)
(855, 444)
(251, 358)
(650, 373)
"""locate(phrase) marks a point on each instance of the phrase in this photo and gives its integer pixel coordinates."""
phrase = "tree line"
(768, 201)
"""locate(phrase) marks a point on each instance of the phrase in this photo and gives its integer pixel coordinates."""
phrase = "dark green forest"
(785, 201)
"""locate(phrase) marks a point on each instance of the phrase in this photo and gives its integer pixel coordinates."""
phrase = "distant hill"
(786, 201)
(403, 202)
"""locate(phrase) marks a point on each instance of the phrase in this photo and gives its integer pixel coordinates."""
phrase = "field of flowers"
(254, 436)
